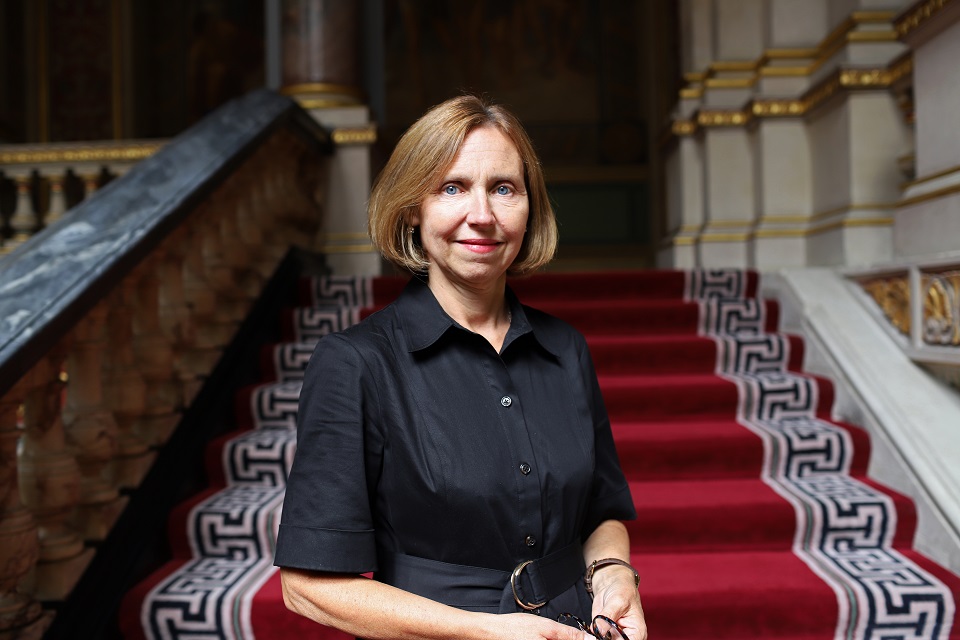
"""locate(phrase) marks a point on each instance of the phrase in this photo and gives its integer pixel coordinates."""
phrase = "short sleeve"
(326, 524)
(610, 497)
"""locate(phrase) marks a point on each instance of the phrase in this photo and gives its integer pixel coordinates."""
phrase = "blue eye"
(503, 190)
(450, 190)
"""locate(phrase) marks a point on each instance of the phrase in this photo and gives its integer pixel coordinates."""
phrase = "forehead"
(487, 147)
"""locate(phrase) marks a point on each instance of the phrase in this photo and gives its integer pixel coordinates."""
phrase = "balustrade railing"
(40, 183)
(112, 316)
(920, 302)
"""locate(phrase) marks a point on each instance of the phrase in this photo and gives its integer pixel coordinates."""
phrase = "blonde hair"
(417, 165)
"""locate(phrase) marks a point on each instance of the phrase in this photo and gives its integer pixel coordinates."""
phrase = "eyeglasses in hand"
(602, 627)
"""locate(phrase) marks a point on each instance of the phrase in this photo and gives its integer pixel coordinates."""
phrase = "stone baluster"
(211, 334)
(125, 390)
(58, 198)
(91, 427)
(24, 220)
(154, 359)
(20, 614)
(91, 181)
(218, 271)
(50, 481)
(176, 316)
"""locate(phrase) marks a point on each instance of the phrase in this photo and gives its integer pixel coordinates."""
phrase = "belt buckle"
(528, 606)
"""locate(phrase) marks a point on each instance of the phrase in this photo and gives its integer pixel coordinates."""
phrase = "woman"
(456, 443)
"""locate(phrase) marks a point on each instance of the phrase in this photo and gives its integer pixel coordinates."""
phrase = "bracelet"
(597, 564)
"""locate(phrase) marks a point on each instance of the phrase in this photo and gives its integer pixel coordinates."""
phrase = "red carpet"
(756, 519)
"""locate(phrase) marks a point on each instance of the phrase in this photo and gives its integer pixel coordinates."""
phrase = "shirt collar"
(424, 321)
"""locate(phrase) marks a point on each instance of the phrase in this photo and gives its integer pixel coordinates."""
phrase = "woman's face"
(472, 223)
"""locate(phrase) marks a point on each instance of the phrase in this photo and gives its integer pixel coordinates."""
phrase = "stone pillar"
(729, 153)
(321, 46)
(19, 545)
(684, 172)
(320, 40)
(927, 222)
(794, 30)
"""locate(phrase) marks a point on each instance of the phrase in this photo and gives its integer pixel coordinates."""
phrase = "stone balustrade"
(112, 317)
(42, 182)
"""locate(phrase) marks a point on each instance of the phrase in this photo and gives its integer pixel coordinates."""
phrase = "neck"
(481, 310)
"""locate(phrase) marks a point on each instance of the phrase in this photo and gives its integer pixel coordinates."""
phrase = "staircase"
(756, 517)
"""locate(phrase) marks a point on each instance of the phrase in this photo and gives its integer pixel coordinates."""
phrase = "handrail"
(114, 316)
(52, 280)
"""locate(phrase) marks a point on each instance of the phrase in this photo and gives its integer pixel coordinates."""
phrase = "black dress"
(417, 440)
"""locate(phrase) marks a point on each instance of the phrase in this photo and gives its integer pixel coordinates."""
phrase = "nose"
(480, 210)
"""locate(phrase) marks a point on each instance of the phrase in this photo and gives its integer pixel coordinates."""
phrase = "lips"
(480, 245)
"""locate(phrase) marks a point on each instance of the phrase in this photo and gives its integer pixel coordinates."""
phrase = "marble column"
(320, 67)
(320, 44)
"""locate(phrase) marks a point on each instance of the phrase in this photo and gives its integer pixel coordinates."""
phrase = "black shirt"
(415, 436)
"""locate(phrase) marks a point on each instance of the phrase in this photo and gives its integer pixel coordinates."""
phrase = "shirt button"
(506, 401)
(524, 468)
(530, 541)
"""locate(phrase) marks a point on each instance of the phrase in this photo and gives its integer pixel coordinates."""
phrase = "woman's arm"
(614, 587)
(377, 611)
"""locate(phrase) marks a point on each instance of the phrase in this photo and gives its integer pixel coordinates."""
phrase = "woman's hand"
(523, 626)
(615, 596)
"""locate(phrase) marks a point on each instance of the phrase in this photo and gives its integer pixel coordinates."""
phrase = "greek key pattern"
(347, 291)
(232, 535)
(722, 317)
(274, 406)
(290, 360)
(260, 457)
(312, 323)
(702, 284)
(845, 528)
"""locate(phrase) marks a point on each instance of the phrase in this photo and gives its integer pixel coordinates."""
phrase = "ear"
(413, 219)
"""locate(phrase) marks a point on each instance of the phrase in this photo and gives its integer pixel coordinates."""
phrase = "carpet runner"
(756, 518)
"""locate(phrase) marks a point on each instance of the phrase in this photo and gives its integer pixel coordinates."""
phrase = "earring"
(410, 230)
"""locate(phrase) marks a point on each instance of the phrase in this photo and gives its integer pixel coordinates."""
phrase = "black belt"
(530, 585)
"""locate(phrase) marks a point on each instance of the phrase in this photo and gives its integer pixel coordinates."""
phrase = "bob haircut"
(422, 156)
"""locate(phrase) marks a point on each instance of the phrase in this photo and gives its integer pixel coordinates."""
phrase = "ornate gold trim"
(323, 103)
(932, 176)
(355, 135)
(933, 195)
(683, 127)
(852, 222)
(722, 118)
(321, 87)
(693, 93)
(776, 108)
(920, 13)
(39, 154)
(843, 33)
(730, 83)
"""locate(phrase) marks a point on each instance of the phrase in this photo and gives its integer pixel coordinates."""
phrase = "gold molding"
(692, 93)
(355, 135)
(683, 127)
(722, 118)
(933, 195)
(932, 176)
(840, 80)
(321, 87)
(918, 14)
(851, 222)
(38, 154)
(845, 32)
(724, 237)
(730, 83)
